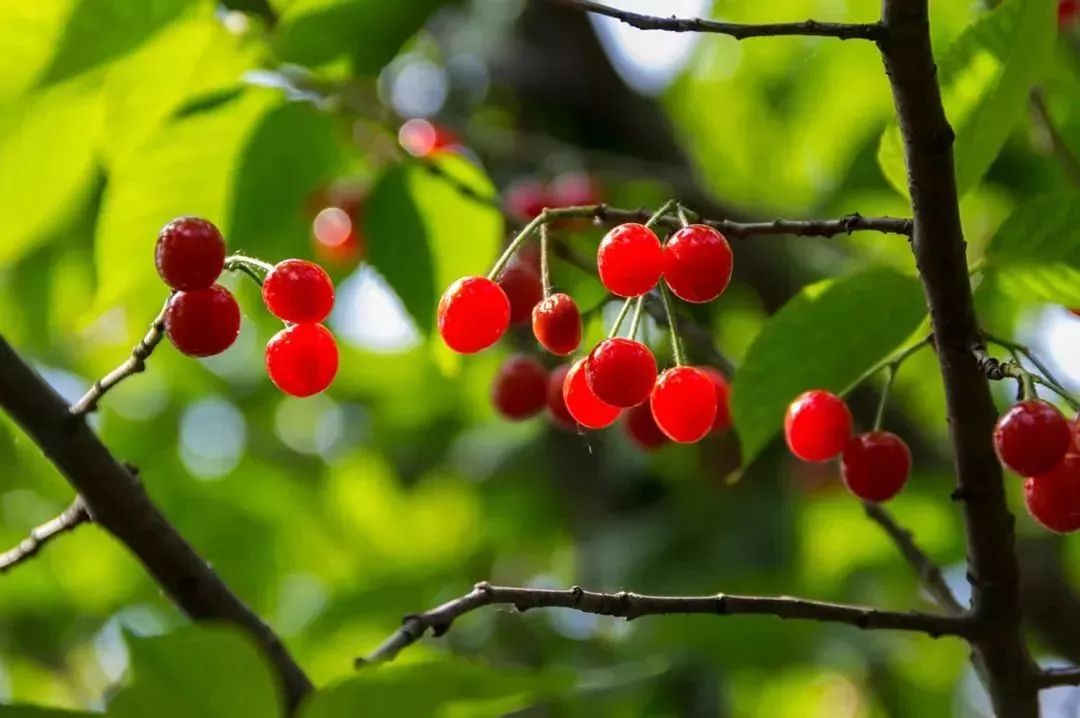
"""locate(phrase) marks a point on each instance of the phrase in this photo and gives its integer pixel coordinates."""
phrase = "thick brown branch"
(1053, 677)
(71, 518)
(929, 573)
(634, 605)
(119, 505)
(938, 244)
(842, 31)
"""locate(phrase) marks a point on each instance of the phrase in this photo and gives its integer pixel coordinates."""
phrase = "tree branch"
(939, 248)
(119, 505)
(634, 605)
(71, 518)
(1053, 677)
(842, 31)
(929, 573)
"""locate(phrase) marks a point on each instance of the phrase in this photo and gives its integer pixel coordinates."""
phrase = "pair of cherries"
(203, 317)
(874, 465)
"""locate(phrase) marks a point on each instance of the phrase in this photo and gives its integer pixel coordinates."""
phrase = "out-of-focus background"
(309, 128)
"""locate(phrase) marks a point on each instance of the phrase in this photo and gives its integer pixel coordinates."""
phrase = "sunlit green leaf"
(197, 671)
(29, 711)
(827, 337)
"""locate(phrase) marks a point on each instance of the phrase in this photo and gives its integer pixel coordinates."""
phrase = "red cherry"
(1067, 12)
(203, 322)
(875, 465)
(190, 253)
(722, 422)
(473, 313)
(1032, 437)
(574, 189)
(622, 372)
(302, 359)
(526, 198)
(642, 429)
(584, 406)
(556, 323)
(298, 291)
(335, 230)
(555, 402)
(684, 404)
(697, 263)
(817, 425)
(421, 138)
(520, 388)
(1053, 498)
(630, 260)
(523, 289)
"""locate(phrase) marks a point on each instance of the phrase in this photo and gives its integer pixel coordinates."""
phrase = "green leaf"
(369, 32)
(98, 31)
(985, 76)
(204, 671)
(452, 687)
(29, 33)
(827, 337)
(423, 233)
(47, 141)
(29, 711)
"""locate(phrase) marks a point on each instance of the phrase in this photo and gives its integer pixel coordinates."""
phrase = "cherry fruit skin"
(642, 429)
(584, 406)
(1053, 498)
(298, 291)
(722, 422)
(621, 372)
(1032, 437)
(875, 465)
(190, 253)
(556, 404)
(473, 313)
(520, 388)
(817, 425)
(302, 360)
(630, 260)
(203, 322)
(556, 323)
(684, 404)
(697, 263)
(522, 287)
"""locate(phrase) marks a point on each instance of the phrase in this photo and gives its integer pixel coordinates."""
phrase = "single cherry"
(522, 287)
(684, 404)
(630, 260)
(622, 372)
(817, 425)
(298, 291)
(574, 188)
(875, 465)
(190, 253)
(1053, 498)
(473, 313)
(584, 406)
(203, 322)
(526, 198)
(1032, 437)
(556, 323)
(555, 402)
(697, 263)
(642, 429)
(302, 359)
(722, 422)
(520, 388)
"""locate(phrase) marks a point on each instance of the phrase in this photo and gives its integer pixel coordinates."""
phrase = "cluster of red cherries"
(1036, 441)
(682, 404)
(203, 318)
(874, 465)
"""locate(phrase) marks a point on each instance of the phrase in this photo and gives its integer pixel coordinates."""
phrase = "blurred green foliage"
(399, 488)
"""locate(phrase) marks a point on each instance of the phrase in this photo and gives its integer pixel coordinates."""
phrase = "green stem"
(659, 214)
(895, 360)
(545, 272)
(676, 340)
(639, 305)
(619, 319)
(890, 378)
(248, 266)
(1047, 379)
(682, 215)
(500, 264)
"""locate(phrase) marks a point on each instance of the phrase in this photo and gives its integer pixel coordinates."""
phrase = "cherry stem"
(660, 213)
(619, 319)
(894, 361)
(1047, 379)
(682, 215)
(535, 224)
(890, 378)
(545, 272)
(248, 266)
(676, 339)
(639, 305)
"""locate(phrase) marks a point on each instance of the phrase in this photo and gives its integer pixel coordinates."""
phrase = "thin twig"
(929, 573)
(1053, 677)
(1064, 154)
(634, 605)
(71, 518)
(841, 31)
